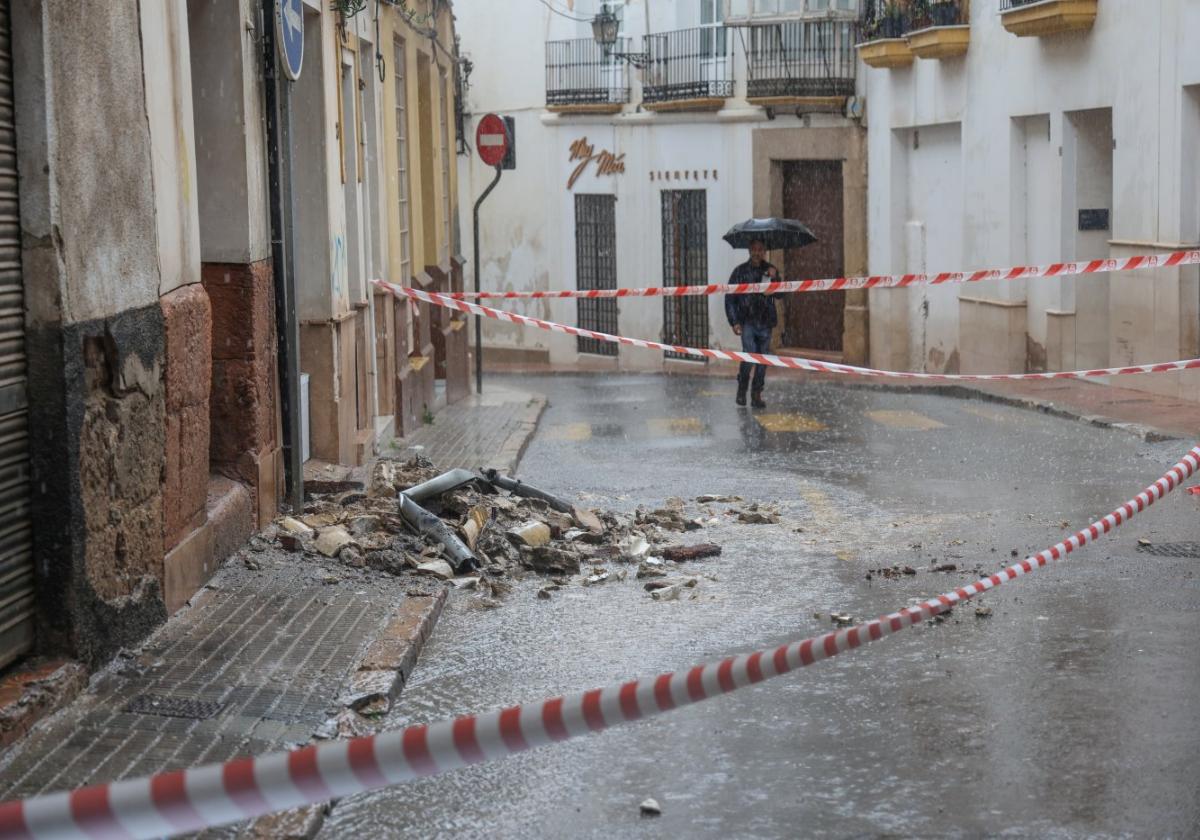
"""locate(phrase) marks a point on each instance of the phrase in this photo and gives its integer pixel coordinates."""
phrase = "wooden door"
(812, 193)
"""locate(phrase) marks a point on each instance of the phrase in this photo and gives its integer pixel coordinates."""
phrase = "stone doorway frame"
(770, 149)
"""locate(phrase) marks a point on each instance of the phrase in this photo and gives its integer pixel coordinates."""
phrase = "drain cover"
(1189, 550)
(178, 707)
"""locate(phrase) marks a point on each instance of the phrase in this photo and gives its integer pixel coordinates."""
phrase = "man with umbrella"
(753, 315)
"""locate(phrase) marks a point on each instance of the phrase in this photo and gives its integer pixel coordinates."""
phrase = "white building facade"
(628, 176)
(1035, 132)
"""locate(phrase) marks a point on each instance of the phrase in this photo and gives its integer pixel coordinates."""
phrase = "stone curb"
(513, 449)
(382, 672)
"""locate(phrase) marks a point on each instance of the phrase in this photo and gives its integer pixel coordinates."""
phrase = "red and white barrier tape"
(881, 281)
(795, 363)
(191, 800)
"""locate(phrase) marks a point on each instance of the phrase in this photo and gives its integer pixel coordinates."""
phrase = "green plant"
(427, 417)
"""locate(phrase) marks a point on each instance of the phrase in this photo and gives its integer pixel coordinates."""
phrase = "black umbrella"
(774, 233)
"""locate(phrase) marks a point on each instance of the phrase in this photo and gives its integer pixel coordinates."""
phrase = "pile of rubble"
(482, 530)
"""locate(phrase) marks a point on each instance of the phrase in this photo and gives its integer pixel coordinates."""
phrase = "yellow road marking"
(789, 423)
(820, 506)
(675, 426)
(986, 413)
(575, 432)
(844, 556)
(907, 420)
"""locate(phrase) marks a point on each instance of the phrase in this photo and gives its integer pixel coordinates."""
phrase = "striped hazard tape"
(880, 281)
(191, 800)
(794, 363)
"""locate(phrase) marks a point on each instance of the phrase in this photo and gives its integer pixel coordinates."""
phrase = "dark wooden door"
(812, 193)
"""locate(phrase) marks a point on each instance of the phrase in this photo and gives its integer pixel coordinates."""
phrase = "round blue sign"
(289, 32)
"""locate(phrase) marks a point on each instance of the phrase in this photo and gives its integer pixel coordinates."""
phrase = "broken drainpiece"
(462, 557)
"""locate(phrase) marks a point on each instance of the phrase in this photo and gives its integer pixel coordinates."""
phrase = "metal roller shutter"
(16, 558)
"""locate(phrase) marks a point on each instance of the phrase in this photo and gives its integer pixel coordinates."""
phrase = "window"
(398, 73)
(747, 9)
(596, 268)
(713, 35)
(685, 263)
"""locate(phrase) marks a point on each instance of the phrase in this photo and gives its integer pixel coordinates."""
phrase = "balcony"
(581, 79)
(1038, 18)
(808, 64)
(940, 29)
(688, 70)
(885, 26)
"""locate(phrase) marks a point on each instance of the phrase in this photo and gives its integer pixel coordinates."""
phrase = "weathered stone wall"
(187, 320)
(245, 395)
(97, 458)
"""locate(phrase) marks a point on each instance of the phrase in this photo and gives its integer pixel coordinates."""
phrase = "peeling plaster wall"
(108, 221)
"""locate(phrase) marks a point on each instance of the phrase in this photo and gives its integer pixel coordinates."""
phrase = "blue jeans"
(755, 339)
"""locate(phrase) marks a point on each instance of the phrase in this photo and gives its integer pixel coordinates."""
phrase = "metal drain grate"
(1189, 550)
(177, 707)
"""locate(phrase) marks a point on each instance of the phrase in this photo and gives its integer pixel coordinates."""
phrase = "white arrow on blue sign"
(289, 32)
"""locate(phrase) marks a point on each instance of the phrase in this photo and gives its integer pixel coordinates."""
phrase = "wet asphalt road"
(1073, 711)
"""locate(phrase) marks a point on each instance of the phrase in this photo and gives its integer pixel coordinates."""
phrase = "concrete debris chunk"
(473, 525)
(437, 568)
(668, 593)
(319, 520)
(709, 499)
(983, 612)
(295, 527)
(684, 553)
(360, 526)
(634, 546)
(587, 519)
(331, 540)
(598, 577)
(841, 619)
(650, 808)
(383, 479)
(532, 534)
(650, 569)
(549, 560)
(758, 517)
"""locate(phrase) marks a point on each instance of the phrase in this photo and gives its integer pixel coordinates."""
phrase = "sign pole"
(493, 141)
(478, 262)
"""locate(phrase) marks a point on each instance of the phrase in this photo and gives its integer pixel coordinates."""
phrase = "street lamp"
(605, 27)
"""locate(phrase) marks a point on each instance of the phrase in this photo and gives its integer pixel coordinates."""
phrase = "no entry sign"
(491, 139)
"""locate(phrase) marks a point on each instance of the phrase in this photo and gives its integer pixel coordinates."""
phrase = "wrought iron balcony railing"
(689, 64)
(579, 72)
(938, 13)
(885, 19)
(803, 58)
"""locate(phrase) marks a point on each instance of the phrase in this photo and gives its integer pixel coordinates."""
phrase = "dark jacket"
(755, 310)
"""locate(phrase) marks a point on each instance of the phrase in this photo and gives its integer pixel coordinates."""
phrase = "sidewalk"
(278, 649)
(1149, 416)
(488, 430)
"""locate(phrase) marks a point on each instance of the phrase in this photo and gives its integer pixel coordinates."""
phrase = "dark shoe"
(756, 400)
(741, 397)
